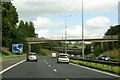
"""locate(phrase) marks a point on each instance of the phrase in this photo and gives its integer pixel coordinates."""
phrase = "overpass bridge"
(60, 49)
(39, 40)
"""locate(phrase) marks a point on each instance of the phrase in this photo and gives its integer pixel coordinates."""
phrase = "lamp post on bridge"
(65, 31)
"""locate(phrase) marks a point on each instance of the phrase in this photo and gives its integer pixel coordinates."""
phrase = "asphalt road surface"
(47, 68)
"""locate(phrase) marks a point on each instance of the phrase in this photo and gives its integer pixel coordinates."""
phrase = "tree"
(98, 50)
(114, 30)
(26, 29)
(9, 20)
(117, 45)
(22, 30)
(106, 47)
(88, 49)
(31, 30)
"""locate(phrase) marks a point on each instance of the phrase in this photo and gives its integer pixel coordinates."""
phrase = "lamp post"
(82, 32)
(65, 31)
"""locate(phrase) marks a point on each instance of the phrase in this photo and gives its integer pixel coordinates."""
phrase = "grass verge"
(7, 55)
(11, 57)
(103, 67)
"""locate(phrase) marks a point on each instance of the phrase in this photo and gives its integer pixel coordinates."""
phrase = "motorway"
(47, 68)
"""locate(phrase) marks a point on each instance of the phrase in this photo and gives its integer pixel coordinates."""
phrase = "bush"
(104, 67)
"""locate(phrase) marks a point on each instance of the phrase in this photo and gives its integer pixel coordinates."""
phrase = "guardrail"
(99, 61)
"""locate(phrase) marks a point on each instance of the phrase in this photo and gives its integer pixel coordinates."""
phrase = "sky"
(99, 15)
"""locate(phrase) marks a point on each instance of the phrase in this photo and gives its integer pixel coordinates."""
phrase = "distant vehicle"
(104, 57)
(72, 55)
(63, 58)
(31, 56)
(53, 55)
(79, 56)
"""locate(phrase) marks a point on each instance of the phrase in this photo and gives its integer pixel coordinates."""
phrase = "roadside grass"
(103, 67)
(114, 54)
(7, 55)
(11, 57)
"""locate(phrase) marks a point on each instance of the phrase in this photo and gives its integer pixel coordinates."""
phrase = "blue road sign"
(17, 48)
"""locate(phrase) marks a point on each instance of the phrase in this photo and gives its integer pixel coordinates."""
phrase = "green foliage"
(31, 30)
(9, 20)
(22, 30)
(106, 47)
(36, 48)
(104, 67)
(74, 53)
(98, 50)
(88, 49)
(10, 32)
(53, 44)
(114, 30)
(12, 57)
(114, 54)
(26, 29)
(5, 51)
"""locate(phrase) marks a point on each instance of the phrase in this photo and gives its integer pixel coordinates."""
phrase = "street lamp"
(82, 32)
(65, 31)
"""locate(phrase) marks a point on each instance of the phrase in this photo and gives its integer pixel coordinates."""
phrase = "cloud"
(32, 10)
(100, 5)
(43, 23)
(43, 33)
(28, 8)
(96, 27)
(74, 31)
(99, 21)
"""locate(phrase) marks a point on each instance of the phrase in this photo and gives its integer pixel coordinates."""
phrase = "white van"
(53, 55)
(63, 58)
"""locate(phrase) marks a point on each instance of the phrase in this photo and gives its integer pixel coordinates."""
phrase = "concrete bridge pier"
(29, 47)
(102, 44)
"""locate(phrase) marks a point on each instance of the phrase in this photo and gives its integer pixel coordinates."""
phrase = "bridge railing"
(111, 37)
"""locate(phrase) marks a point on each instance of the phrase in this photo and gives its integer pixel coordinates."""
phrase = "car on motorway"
(63, 58)
(104, 57)
(31, 56)
(53, 55)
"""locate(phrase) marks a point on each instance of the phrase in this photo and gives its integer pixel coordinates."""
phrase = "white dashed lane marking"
(55, 70)
(49, 65)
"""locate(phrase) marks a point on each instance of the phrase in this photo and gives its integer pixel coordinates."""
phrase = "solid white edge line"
(95, 70)
(12, 66)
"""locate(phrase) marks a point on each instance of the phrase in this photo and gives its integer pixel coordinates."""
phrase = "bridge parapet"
(34, 39)
(105, 39)
(111, 37)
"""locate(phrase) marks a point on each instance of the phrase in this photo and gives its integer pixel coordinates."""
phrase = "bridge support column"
(113, 43)
(29, 47)
(102, 45)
